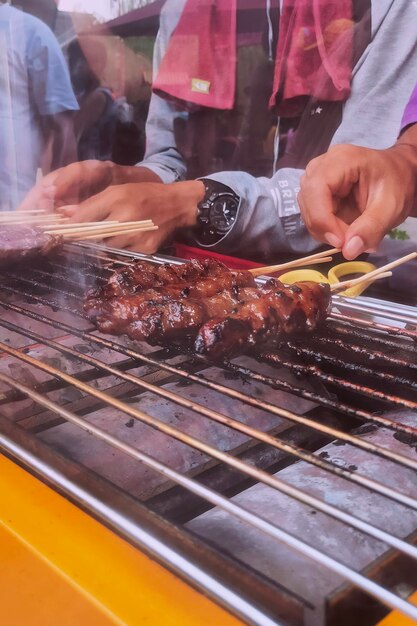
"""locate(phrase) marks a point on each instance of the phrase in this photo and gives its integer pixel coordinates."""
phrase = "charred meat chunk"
(144, 275)
(115, 315)
(276, 311)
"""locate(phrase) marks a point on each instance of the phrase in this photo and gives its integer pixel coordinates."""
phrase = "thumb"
(367, 231)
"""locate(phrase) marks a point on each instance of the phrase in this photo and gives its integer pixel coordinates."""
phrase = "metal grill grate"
(362, 365)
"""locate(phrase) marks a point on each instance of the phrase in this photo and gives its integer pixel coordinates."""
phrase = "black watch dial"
(223, 213)
(217, 212)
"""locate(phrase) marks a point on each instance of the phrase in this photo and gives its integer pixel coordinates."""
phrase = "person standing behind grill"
(36, 104)
(258, 217)
(353, 196)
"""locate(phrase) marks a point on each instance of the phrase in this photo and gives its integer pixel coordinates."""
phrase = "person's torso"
(20, 123)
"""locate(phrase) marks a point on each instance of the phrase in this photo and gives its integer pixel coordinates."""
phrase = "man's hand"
(79, 181)
(351, 196)
(170, 207)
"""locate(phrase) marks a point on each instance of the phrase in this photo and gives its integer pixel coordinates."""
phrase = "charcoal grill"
(282, 484)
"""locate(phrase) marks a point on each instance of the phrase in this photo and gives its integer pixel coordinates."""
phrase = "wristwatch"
(217, 212)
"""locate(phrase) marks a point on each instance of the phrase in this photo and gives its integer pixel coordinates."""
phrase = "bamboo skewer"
(68, 225)
(380, 272)
(87, 227)
(31, 219)
(115, 233)
(98, 230)
(312, 259)
(346, 284)
(26, 212)
(265, 271)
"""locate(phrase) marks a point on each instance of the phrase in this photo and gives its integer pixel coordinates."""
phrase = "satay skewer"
(26, 212)
(68, 225)
(87, 227)
(265, 271)
(311, 259)
(380, 272)
(110, 233)
(32, 219)
(346, 284)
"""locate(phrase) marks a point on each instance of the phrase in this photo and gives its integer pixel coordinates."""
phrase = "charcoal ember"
(19, 244)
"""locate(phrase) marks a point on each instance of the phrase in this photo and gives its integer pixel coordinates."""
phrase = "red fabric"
(314, 54)
(188, 252)
(202, 48)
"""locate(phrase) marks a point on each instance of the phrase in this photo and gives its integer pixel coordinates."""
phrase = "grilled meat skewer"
(223, 310)
(277, 310)
(116, 314)
(145, 275)
(182, 317)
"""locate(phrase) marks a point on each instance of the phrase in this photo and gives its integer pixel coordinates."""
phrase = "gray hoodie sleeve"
(162, 155)
(268, 221)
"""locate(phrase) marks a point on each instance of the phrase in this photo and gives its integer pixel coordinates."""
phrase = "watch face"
(223, 213)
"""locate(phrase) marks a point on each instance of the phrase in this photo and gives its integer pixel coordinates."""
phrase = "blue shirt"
(34, 83)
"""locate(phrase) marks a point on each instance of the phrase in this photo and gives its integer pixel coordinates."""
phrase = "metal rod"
(382, 594)
(346, 329)
(378, 309)
(61, 306)
(363, 352)
(313, 370)
(32, 283)
(392, 330)
(385, 377)
(261, 436)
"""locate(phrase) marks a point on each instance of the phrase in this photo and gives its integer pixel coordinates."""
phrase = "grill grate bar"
(293, 417)
(84, 255)
(384, 328)
(346, 330)
(47, 277)
(363, 352)
(380, 593)
(338, 406)
(153, 258)
(261, 436)
(49, 303)
(377, 309)
(34, 283)
(313, 370)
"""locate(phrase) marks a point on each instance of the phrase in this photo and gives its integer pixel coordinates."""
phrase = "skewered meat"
(23, 243)
(180, 318)
(163, 317)
(144, 275)
(224, 313)
(277, 310)
(115, 314)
